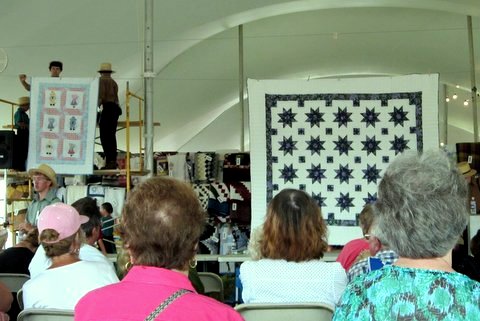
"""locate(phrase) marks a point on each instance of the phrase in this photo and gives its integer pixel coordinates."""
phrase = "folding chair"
(285, 312)
(20, 299)
(3, 237)
(45, 315)
(212, 284)
(14, 281)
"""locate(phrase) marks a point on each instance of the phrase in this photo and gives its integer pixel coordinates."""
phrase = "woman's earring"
(128, 266)
(193, 263)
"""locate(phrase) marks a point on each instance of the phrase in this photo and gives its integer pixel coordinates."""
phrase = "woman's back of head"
(422, 205)
(53, 247)
(88, 206)
(366, 218)
(294, 229)
(30, 241)
(162, 222)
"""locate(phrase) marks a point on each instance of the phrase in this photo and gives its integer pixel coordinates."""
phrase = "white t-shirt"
(40, 262)
(62, 287)
(279, 281)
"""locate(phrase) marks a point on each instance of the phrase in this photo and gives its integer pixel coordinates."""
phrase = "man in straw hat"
(466, 170)
(470, 176)
(44, 184)
(108, 99)
(55, 68)
(461, 250)
(21, 124)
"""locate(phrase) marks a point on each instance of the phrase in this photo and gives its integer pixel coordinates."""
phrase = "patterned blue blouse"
(397, 293)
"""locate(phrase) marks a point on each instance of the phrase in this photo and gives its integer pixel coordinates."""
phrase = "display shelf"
(13, 202)
(118, 172)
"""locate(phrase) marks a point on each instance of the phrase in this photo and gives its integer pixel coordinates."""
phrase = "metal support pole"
(127, 134)
(472, 79)
(241, 87)
(445, 116)
(140, 131)
(148, 77)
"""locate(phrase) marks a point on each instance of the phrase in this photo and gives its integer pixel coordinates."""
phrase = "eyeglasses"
(366, 236)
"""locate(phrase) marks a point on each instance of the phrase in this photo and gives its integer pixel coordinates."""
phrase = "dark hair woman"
(290, 269)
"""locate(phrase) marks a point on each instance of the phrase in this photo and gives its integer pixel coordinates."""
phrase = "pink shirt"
(350, 252)
(142, 290)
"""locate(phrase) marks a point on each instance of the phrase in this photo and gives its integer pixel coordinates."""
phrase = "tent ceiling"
(196, 52)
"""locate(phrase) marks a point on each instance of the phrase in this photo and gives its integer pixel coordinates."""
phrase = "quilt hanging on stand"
(333, 138)
(62, 125)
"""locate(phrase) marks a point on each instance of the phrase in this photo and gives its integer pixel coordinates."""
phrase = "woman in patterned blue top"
(421, 211)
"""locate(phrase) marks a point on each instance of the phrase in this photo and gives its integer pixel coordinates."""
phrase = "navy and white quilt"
(334, 138)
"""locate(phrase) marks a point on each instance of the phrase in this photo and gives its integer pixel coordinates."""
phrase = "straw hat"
(22, 101)
(106, 67)
(464, 168)
(46, 170)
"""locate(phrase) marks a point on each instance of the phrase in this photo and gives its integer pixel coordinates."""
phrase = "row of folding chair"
(285, 312)
(212, 284)
(268, 312)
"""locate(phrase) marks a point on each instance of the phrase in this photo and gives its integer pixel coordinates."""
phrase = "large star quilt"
(333, 138)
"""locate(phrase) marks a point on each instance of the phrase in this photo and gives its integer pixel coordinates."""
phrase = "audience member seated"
(468, 264)
(86, 206)
(123, 263)
(6, 299)
(161, 225)
(106, 210)
(420, 211)
(290, 248)
(380, 255)
(68, 278)
(16, 259)
(357, 249)
(475, 249)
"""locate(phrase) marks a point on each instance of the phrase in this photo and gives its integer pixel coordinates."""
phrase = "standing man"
(108, 99)
(21, 124)
(44, 185)
(55, 68)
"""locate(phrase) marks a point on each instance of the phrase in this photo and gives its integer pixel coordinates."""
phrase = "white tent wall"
(223, 133)
(306, 45)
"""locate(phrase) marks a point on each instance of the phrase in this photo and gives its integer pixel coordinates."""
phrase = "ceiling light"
(458, 86)
(465, 103)
(454, 96)
(447, 99)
